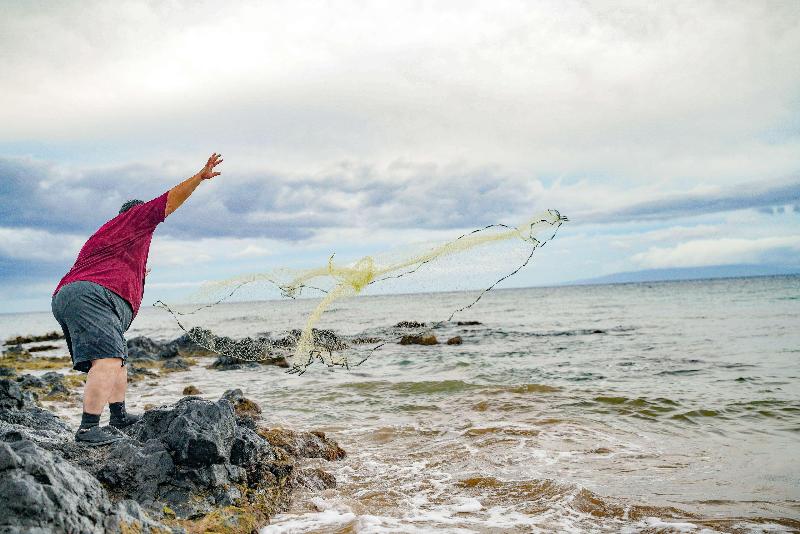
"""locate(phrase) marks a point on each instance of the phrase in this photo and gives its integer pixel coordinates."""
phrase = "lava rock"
(197, 432)
(303, 444)
(144, 348)
(42, 492)
(242, 406)
(227, 363)
(176, 364)
(314, 478)
(19, 340)
(20, 418)
(409, 324)
(419, 340)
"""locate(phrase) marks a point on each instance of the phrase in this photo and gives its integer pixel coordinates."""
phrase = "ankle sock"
(89, 420)
(117, 411)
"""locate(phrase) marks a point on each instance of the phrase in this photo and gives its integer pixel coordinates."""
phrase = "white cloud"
(31, 244)
(673, 233)
(663, 91)
(721, 251)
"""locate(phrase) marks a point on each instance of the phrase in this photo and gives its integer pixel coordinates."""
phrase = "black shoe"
(130, 418)
(96, 436)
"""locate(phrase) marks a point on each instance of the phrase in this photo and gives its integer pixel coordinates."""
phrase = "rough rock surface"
(20, 418)
(45, 493)
(195, 464)
(144, 348)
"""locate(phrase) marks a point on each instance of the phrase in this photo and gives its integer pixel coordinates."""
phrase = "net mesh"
(492, 254)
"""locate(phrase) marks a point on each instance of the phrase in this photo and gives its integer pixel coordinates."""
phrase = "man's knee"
(107, 364)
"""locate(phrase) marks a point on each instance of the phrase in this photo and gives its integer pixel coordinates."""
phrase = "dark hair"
(129, 204)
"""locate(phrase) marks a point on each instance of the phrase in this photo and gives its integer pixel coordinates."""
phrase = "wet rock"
(419, 340)
(409, 324)
(242, 406)
(227, 363)
(185, 347)
(16, 350)
(42, 492)
(314, 479)
(256, 456)
(191, 390)
(197, 432)
(7, 371)
(40, 348)
(176, 364)
(303, 444)
(20, 418)
(455, 340)
(144, 348)
(468, 323)
(136, 373)
(19, 340)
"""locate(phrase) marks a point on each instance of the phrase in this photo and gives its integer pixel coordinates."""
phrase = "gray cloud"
(768, 197)
(39, 195)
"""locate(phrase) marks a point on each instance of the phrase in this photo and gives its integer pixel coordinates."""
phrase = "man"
(98, 298)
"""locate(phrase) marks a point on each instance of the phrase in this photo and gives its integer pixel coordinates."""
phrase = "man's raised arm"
(178, 194)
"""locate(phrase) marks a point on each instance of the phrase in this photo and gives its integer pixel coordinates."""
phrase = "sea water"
(648, 407)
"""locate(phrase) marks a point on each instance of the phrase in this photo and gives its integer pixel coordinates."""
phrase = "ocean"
(644, 407)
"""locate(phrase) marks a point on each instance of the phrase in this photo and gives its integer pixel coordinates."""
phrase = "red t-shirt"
(116, 255)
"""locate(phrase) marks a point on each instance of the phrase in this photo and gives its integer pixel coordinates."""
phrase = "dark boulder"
(455, 340)
(42, 492)
(144, 348)
(20, 418)
(228, 363)
(197, 432)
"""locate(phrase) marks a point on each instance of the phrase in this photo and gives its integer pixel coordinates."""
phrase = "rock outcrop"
(197, 464)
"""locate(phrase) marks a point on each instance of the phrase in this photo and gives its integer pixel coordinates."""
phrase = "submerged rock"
(191, 390)
(419, 340)
(455, 340)
(228, 363)
(176, 364)
(409, 324)
(468, 323)
(19, 340)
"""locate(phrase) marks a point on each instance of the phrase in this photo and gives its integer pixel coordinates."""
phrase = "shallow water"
(640, 407)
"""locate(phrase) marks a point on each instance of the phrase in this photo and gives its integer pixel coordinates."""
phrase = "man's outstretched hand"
(178, 194)
(208, 171)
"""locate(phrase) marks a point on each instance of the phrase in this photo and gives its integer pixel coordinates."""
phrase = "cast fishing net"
(482, 258)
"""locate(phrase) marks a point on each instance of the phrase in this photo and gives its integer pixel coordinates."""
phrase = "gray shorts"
(94, 320)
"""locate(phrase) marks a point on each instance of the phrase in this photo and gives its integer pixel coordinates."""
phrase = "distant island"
(689, 273)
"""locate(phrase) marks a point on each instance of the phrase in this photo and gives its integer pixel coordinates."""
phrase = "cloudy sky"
(668, 132)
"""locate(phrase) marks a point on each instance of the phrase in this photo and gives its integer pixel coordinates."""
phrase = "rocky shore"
(193, 466)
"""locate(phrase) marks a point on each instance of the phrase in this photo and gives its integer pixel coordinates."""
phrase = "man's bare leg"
(101, 383)
(120, 385)
(120, 418)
